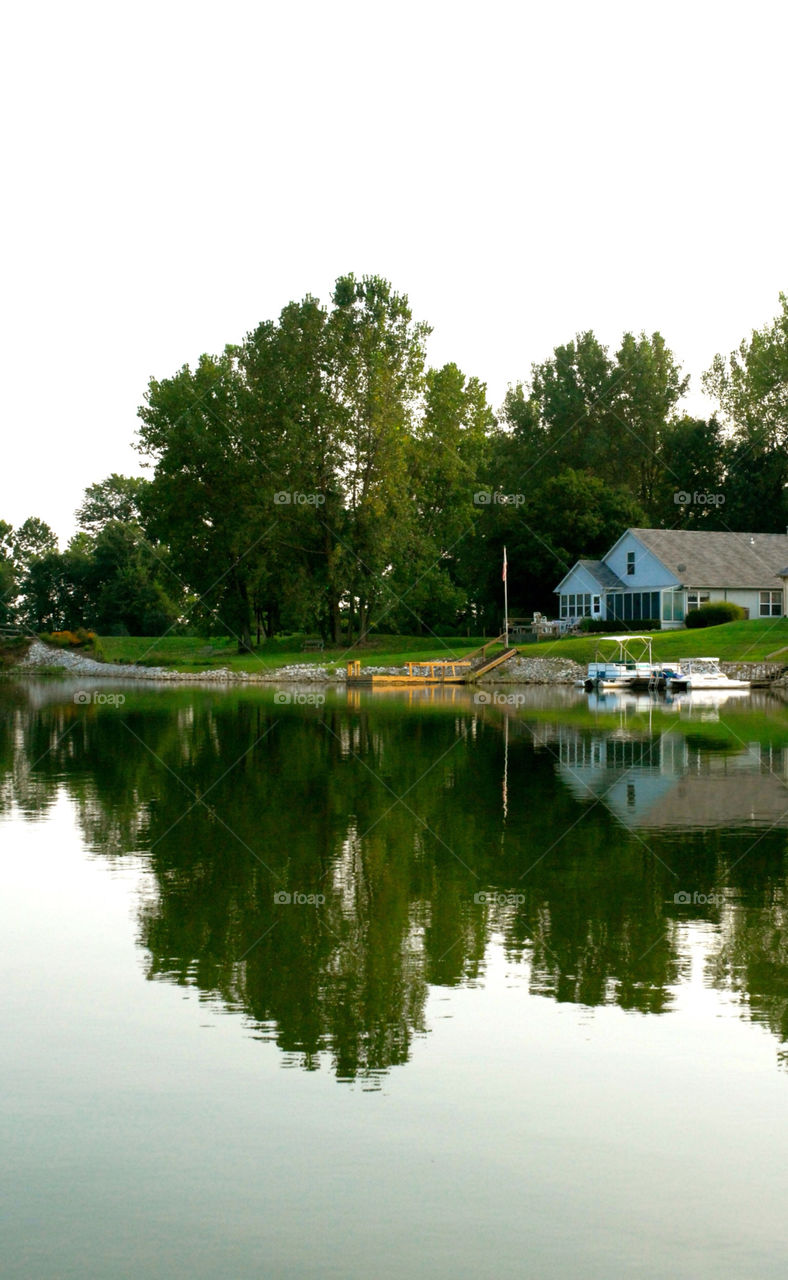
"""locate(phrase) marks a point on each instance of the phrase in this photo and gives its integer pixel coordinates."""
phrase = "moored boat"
(630, 666)
(695, 674)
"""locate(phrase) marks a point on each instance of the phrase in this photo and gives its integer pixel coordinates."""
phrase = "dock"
(439, 671)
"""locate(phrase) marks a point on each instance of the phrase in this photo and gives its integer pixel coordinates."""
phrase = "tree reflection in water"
(387, 821)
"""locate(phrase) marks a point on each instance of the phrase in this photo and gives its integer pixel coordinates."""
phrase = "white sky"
(177, 172)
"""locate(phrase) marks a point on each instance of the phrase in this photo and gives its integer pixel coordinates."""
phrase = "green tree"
(35, 555)
(116, 498)
(198, 500)
(692, 457)
(447, 449)
(755, 487)
(572, 516)
(377, 377)
(8, 587)
(124, 585)
(647, 388)
(751, 386)
(295, 452)
(574, 393)
(588, 411)
(33, 538)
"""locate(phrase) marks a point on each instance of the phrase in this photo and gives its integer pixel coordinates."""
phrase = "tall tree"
(690, 490)
(574, 392)
(33, 538)
(751, 387)
(447, 452)
(647, 388)
(377, 377)
(8, 587)
(116, 498)
(295, 451)
(35, 555)
(198, 500)
(587, 411)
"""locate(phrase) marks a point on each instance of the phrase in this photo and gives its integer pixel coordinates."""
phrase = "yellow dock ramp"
(491, 665)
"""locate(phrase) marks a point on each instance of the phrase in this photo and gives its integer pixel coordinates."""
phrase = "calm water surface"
(392, 986)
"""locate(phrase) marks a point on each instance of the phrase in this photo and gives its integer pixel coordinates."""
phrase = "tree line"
(319, 476)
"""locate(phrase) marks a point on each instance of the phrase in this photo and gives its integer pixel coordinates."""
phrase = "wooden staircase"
(485, 664)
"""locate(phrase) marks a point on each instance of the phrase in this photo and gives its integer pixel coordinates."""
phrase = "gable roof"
(718, 559)
(603, 574)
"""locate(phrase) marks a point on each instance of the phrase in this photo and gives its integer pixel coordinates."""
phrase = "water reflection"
(320, 868)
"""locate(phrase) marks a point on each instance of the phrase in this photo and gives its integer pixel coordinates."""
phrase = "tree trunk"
(242, 626)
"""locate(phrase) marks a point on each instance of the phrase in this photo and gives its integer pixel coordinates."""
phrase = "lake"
(325, 983)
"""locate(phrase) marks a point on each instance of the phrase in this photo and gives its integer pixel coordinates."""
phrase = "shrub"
(714, 613)
(79, 639)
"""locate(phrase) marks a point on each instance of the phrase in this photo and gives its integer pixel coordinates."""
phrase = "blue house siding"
(636, 566)
(580, 595)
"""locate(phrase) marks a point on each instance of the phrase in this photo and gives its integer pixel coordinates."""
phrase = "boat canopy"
(625, 639)
(630, 648)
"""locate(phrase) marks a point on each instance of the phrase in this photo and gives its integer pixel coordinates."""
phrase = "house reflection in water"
(665, 780)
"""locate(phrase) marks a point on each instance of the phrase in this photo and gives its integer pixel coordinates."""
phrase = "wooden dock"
(437, 671)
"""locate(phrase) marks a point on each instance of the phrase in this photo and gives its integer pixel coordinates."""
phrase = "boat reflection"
(702, 703)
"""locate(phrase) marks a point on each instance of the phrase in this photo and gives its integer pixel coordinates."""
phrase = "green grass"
(11, 650)
(750, 641)
(194, 653)
(735, 726)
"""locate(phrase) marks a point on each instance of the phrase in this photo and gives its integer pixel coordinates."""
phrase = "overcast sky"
(177, 172)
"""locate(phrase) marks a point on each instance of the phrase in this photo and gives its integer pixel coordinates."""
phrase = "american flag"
(503, 575)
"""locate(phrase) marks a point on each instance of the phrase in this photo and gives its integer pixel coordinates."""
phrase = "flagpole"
(505, 599)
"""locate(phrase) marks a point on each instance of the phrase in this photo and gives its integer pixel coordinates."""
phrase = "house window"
(630, 562)
(771, 604)
(597, 605)
(672, 606)
(633, 606)
(576, 605)
(696, 598)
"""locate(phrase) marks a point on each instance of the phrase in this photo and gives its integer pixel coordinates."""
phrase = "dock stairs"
(481, 664)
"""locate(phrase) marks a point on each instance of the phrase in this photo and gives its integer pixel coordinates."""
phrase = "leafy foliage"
(319, 477)
(714, 613)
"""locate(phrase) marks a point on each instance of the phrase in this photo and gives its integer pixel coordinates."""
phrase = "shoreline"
(41, 659)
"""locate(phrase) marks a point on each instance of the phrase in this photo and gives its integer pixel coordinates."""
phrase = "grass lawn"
(12, 650)
(195, 653)
(750, 641)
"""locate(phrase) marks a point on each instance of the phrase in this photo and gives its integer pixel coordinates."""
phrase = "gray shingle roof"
(603, 575)
(719, 559)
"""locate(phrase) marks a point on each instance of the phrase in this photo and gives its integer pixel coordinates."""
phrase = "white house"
(659, 575)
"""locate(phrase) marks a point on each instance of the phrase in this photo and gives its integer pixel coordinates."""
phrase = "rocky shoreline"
(519, 670)
(41, 657)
